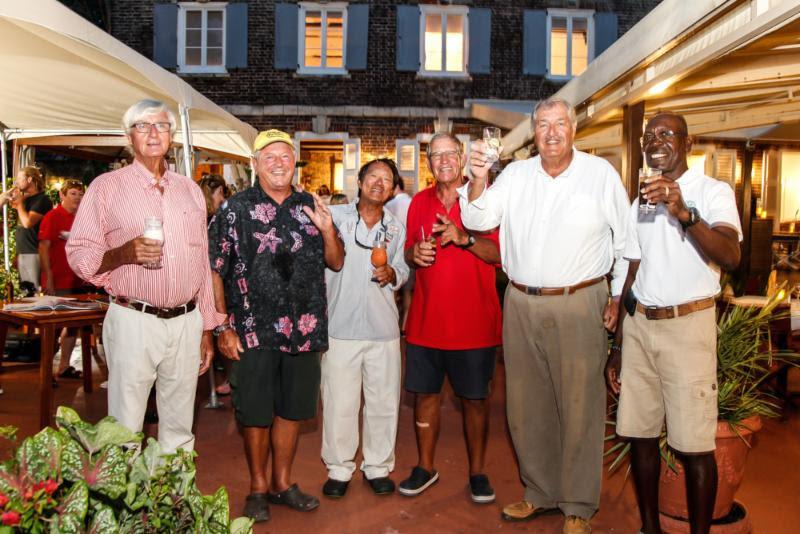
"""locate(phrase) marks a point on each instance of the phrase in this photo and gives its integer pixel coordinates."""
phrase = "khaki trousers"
(348, 368)
(555, 351)
(142, 349)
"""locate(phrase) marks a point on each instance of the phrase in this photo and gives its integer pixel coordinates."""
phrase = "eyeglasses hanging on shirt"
(381, 232)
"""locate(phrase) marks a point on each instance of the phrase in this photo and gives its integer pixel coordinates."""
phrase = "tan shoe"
(576, 525)
(525, 511)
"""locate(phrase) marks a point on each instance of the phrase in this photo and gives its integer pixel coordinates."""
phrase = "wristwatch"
(470, 241)
(694, 218)
(221, 328)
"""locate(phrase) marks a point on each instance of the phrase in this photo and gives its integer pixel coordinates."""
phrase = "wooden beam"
(632, 118)
(745, 211)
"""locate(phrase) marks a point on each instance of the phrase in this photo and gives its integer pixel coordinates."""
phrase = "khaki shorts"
(669, 368)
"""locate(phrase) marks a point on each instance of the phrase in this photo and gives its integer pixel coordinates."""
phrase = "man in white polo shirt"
(667, 353)
(562, 218)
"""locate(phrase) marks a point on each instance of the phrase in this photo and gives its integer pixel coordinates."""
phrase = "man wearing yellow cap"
(269, 247)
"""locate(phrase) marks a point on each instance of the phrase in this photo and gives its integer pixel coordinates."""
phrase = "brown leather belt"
(161, 313)
(670, 312)
(545, 291)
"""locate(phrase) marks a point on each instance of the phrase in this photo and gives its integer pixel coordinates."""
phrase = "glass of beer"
(153, 229)
(647, 175)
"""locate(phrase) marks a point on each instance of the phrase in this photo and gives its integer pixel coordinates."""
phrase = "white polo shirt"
(555, 232)
(672, 270)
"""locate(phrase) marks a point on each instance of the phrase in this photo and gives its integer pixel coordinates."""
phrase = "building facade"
(357, 80)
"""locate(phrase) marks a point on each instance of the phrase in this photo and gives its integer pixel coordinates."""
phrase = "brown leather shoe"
(525, 511)
(576, 525)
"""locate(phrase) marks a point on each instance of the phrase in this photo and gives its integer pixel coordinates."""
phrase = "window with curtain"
(322, 38)
(570, 41)
(444, 40)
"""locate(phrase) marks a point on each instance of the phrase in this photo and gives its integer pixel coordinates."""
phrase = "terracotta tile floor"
(770, 489)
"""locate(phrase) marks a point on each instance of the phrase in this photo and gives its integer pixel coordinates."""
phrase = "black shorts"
(266, 383)
(470, 371)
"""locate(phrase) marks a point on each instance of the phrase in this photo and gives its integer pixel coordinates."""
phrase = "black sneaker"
(335, 489)
(381, 485)
(480, 489)
(418, 482)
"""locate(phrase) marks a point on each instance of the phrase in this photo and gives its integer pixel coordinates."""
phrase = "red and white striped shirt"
(113, 212)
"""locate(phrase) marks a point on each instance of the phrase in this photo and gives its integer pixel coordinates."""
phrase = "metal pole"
(187, 143)
(4, 160)
(213, 400)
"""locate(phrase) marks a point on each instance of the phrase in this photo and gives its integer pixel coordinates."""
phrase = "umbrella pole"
(4, 160)
(187, 143)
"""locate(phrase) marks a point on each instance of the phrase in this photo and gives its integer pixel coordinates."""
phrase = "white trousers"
(142, 349)
(348, 367)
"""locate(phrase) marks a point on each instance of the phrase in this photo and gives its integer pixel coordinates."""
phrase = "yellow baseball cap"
(268, 137)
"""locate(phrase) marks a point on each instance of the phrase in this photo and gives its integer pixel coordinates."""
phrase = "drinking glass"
(429, 238)
(378, 256)
(492, 138)
(647, 175)
(153, 229)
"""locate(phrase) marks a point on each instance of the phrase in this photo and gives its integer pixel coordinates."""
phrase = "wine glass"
(647, 175)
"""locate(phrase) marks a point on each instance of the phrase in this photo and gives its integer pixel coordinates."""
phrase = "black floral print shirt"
(271, 258)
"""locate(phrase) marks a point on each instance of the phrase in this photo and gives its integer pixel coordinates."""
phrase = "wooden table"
(48, 322)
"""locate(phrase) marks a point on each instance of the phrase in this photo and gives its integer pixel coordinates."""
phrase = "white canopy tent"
(61, 75)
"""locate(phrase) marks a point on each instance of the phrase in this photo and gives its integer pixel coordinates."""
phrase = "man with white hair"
(161, 315)
(562, 218)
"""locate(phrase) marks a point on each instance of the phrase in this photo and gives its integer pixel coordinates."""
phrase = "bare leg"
(646, 463)
(701, 490)
(284, 446)
(426, 422)
(476, 427)
(256, 447)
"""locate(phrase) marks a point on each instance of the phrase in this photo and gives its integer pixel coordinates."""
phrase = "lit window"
(790, 188)
(322, 37)
(201, 37)
(571, 40)
(444, 34)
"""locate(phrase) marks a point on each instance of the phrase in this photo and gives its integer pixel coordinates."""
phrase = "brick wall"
(381, 84)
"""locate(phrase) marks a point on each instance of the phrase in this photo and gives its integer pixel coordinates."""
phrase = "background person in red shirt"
(57, 277)
(454, 324)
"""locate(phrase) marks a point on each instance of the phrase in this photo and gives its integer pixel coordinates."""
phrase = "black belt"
(161, 313)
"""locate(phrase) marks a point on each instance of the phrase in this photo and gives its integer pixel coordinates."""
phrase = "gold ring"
(666, 190)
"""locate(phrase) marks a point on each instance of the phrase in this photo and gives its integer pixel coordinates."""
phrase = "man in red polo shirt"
(454, 324)
(57, 277)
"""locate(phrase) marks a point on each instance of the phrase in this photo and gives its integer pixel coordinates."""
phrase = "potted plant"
(97, 478)
(745, 361)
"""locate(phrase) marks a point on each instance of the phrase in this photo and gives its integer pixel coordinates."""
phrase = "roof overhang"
(730, 67)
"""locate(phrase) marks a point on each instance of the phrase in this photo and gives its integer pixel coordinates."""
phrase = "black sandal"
(256, 507)
(295, 499)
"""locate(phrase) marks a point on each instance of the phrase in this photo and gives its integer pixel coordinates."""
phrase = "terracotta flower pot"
(731, 455)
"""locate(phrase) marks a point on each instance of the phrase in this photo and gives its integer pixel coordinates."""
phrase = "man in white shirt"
(674, 269)
(364, 336)
(562, 229)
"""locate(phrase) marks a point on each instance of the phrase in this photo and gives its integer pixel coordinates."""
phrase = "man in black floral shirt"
(269, 246)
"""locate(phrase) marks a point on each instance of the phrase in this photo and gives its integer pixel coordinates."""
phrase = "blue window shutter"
(236, 36)
(605, 31)
(408, 38)
(534, 46)
(286, 36)
(357, 31)
(165, 35)
(480, 41)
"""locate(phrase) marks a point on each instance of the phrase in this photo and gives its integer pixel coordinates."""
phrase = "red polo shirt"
(55, 227)
(455, 305)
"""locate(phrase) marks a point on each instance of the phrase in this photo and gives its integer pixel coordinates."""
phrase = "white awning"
(59, 72)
